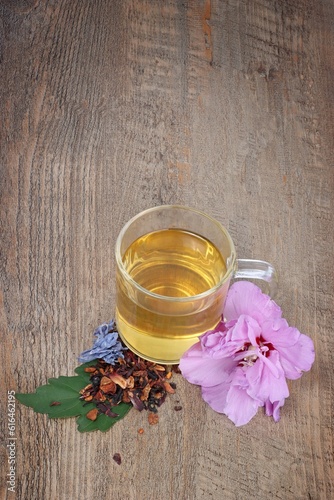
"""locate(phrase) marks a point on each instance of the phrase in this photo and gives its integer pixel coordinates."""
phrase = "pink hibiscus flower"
(244, 362)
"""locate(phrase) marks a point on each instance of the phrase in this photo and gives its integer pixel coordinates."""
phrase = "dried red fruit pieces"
(118, 459)
(153, 418)
(133, 380)
(92, 414)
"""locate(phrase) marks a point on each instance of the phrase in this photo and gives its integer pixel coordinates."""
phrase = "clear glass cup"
(174, 267)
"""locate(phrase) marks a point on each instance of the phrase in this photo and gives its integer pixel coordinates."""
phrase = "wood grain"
(108, 108)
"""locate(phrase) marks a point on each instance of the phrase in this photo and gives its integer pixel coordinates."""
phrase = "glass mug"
(174, 267)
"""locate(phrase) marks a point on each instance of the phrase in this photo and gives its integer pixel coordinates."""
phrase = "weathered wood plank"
(109, 108)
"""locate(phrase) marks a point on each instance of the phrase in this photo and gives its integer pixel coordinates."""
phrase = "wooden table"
(111, 107)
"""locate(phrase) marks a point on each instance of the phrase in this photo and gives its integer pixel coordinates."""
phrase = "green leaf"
(80, 370)
(103, 422)
(60, 399)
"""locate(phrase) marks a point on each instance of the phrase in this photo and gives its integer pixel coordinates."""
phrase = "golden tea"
(156, 315)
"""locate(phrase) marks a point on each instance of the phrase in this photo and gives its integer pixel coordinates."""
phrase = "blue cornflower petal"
(106, 346)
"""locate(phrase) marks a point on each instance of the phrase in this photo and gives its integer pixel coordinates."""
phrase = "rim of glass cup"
(229, 270)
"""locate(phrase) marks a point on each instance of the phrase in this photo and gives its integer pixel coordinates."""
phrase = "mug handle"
(258, 270)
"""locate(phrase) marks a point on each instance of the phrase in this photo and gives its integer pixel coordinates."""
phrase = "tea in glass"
(172, 280)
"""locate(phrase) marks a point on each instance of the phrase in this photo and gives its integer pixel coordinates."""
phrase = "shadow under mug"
(174, 267)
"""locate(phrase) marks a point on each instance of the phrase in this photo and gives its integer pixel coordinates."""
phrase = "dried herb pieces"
(153, 418)
(92, 414)
(131, 379)
(117, 458)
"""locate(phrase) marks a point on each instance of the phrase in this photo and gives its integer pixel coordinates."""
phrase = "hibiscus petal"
(296, 349)
(203, 370)
(265, 384)
(246, 329)
(240, 407)
(232, 399)
(272, 365)
(257, 386)
(215, 396)
(246, 298)
(239, 332)
(213, 344)
(279, 333)
(272, 409)
(219, 328)
(297, 359)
